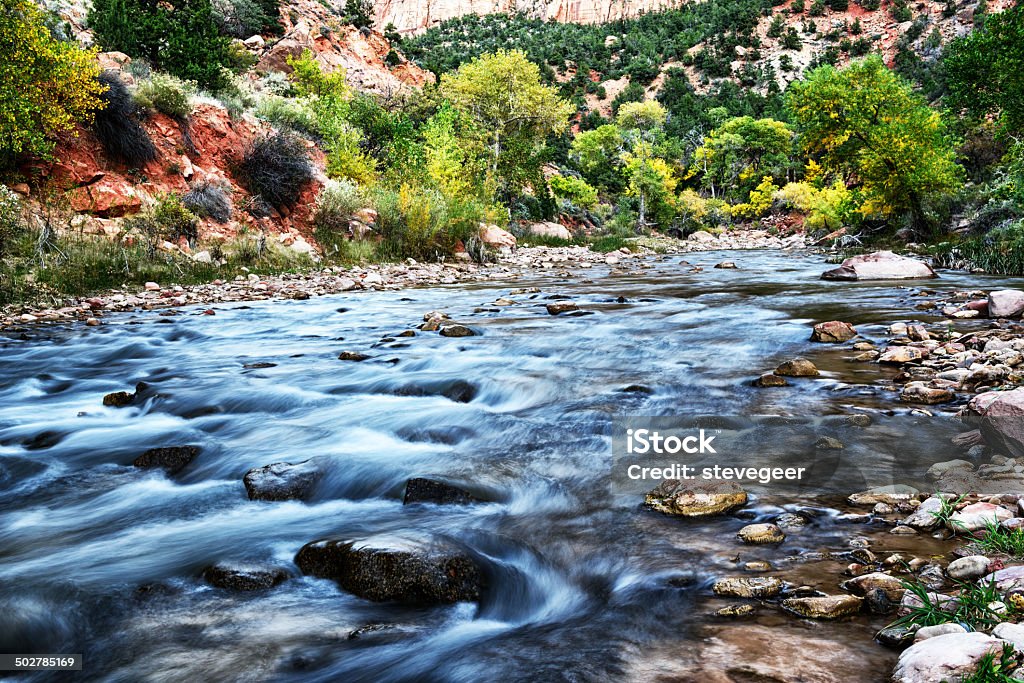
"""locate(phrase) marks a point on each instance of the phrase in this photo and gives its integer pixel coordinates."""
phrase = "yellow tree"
(648, 177)
(513, 110)
(47, 86)
(865, 122)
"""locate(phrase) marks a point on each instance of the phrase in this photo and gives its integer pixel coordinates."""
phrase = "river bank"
(373, 277)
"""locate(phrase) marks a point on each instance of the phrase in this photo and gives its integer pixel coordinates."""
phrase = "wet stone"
(172, 459)
(423, 490)
(244, 577)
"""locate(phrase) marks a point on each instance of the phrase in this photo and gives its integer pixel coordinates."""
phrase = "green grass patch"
(996, 667)
(609, 243)
(970, 607)
(998, 539)
(48, 273)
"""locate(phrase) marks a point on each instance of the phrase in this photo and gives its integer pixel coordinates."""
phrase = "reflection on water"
(101, 558)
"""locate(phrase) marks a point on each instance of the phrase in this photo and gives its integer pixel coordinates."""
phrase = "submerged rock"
(748, 587)
(244, 577)
(422, 490)
(282, 481)
(689, 499)
(118, 399)
(880, 265)
(354, 356)
(798, 367)
(412, 571)
(922, 392)
(761, 533)
(736, 610)
(456, 331)
(560, 307)
(827, 607)
(172, 459)
(770, 380)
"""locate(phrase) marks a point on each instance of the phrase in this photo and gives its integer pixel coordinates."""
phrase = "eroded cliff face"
(100, 192)
(413, 16)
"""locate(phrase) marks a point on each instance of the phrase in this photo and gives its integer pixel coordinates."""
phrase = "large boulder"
(1005, 303)
(1011, 578)
(417, 571)
(944, 658)
(833, 332)
(1001, 420)
(978, 516)
(496, 238)
(690, 499)
(925, 517)
(797, 367)
(880, 265)
(549, 229)
(282, 481)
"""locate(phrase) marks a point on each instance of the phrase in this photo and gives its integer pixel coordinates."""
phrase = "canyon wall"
(414, 16)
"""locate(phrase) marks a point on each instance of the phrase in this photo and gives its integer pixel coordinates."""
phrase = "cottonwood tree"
(513, 111)
(866, 123)
(649, 177)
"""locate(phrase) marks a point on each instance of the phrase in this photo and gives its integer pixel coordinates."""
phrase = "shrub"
(10, 217)
(48, 86)
(166, 94)
(168, 219)
(208, 200)
(827, 209)
(117, 125)
(761, 199)
(177, 36)
(288, 113)
(575, 190)
(276, 168)
(335, 205)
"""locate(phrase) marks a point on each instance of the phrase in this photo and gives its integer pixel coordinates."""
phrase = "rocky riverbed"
(509, 265)
(359, 487)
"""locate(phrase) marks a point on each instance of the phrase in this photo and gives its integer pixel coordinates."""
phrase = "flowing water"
(105, 559)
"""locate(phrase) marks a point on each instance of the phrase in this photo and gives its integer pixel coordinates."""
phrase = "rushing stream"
(105, 559)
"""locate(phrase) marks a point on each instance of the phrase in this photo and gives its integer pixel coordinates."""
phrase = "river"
(102, 558)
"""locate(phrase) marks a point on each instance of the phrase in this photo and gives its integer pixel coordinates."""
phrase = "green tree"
(178, 36)
(359, 13)
(739, 152)
(513, 111)
(46, 86)
(985, 69)
(649, 177)
(595, 154)
(866, 123)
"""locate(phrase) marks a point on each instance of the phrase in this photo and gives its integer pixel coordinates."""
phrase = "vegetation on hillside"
(520, 129)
